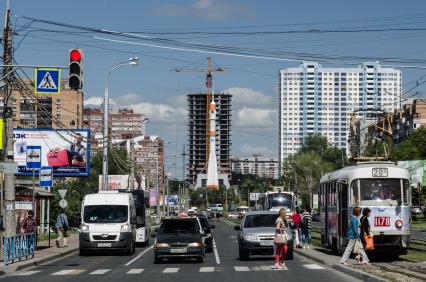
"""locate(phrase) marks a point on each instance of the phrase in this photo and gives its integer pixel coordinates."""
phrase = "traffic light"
(75, 76)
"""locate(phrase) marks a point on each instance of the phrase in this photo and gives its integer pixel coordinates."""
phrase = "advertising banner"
(417, 169)
(254, 196)
(66, 151)
(152, 198)
(116, 182)
(172, 200)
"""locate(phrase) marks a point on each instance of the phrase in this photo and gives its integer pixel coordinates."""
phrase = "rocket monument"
(212, 173)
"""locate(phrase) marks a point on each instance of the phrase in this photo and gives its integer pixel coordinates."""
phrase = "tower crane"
(209, 82)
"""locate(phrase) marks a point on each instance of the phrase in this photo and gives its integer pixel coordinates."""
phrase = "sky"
(269, 35)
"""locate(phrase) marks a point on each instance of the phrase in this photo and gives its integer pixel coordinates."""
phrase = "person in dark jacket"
(365, 224)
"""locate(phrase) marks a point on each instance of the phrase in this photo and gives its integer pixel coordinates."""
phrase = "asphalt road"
(222, 265)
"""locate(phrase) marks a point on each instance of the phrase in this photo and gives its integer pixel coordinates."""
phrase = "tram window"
(380, 192)
(406, 189)
(355, 195)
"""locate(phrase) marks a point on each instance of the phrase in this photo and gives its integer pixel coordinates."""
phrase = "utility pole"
(132, 164)
(9, 178)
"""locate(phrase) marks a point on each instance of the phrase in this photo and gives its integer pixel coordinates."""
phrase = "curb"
(35, 262)
(309, 256)
(364, 276)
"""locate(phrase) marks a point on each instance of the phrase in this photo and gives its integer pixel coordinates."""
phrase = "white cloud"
(130, 99)
(98, 101)
(247, 96)
(249, 150)
(213, 10)
(160, 112)
(255, 117)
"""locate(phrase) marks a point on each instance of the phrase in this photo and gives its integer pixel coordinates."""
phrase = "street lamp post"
(133, 62)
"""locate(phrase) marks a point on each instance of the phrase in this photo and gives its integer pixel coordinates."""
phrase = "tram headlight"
(399, 224)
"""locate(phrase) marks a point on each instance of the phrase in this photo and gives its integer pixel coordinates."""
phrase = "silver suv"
(257, 232)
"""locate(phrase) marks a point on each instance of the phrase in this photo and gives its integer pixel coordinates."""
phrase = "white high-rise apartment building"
(317, 100)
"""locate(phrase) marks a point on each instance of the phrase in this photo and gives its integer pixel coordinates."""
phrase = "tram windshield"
(379, 192)
(280, 200)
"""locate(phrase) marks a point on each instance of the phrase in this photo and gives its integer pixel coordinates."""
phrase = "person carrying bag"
(354, 240)
(280, 240)
(366, 234)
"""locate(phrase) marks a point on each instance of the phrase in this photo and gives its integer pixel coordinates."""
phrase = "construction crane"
(209, 82)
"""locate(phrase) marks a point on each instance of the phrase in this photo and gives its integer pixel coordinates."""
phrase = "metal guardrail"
(15, 248)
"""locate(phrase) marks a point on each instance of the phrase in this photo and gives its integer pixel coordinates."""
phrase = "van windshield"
(105, 214)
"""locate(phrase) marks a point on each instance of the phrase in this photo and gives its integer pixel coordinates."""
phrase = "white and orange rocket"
(212, 174)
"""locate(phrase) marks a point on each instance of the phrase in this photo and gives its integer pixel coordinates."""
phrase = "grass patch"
(419, 224)
(415, 256)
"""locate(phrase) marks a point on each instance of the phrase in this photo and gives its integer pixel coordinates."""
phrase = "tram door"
(343, 211)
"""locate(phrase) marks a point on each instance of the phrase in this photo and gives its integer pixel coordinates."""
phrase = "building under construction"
(198, 134)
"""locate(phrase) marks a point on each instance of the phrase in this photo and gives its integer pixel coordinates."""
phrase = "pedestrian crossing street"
(165, 270)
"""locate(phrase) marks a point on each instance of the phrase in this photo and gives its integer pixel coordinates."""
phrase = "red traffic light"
(75, 55)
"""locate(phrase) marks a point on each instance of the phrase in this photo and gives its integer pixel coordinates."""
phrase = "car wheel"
(243, 254)
(82, 252)
(133, 248)
(156, 260)
(200, 259)
(129, 249)
(289, 254)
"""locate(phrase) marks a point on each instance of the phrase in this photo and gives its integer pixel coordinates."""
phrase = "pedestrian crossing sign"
(47, 81)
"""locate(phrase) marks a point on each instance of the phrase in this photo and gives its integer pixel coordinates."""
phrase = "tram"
(384, 188)
(275, 200)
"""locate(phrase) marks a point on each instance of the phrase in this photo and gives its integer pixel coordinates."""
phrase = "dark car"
(257, 233)
(179, 237)
(207, 229)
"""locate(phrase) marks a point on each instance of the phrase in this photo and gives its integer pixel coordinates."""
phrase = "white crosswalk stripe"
(69, 272)
(99, 271)
(171, 270)
(26, 273)
(241, 268)
(313, 266)
(207, 269)
(135, 271)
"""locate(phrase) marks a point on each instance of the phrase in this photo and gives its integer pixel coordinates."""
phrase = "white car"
(233, 216)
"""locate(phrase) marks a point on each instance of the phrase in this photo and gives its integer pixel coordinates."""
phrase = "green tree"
(413, 147)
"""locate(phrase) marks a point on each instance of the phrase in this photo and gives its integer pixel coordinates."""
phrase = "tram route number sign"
(382, 221)
(380, 172)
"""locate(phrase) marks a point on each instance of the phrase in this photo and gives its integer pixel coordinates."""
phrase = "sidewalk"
(365, 273)
(43, 254)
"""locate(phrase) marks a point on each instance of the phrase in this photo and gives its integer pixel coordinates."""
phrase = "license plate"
(178, 251)
(267, 243)
(382, 221)
(104, 245)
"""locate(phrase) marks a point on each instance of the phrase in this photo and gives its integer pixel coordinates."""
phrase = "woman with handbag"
(366, 234)
(280, 240)
(354, 243)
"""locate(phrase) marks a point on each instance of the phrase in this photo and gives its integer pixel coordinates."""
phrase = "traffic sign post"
(46, 176)
(47, 80)
(34, 157)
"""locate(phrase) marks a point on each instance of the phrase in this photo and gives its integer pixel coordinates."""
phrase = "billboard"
(122, 182)
(152, 198)
(417, 169)
(67, 151)
(172, 200)
(254, 196)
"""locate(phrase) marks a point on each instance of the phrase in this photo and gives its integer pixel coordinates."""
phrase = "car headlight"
(250, 237)
(84, 228)
(195, 244)
(125, 227)
(161, 245)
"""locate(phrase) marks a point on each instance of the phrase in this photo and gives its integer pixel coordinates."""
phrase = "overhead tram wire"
(222, 50)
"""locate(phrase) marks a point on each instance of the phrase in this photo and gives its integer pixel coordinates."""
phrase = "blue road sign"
(46, 176)
(33, 157)
(47, 80)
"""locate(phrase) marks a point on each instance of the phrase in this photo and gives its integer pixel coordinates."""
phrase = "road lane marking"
(313, 266)
(241, 268)
(69, 272)
(139, 256)
(266, 267)
(216, 254)
(171, 270)
(99, 271)
(207, 269)
(135, 271)
(26, 273)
